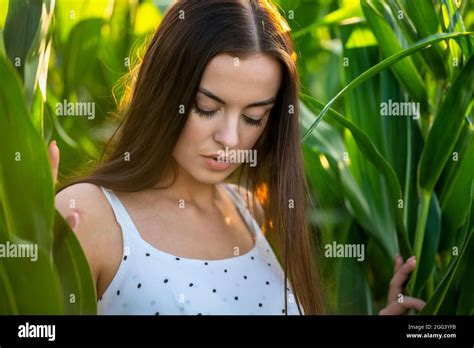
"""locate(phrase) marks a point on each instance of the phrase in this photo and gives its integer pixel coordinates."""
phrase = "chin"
(207, 176)
(211, 178)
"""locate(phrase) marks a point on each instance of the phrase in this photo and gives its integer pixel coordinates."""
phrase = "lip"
(216, 156)
(213, 155)
(213, 164)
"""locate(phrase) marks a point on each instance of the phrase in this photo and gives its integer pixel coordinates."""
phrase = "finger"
(53, 152)
(400, 277)
(402, 307)
(398, 263)
(412, 303)
(393, 308)
(73, 220)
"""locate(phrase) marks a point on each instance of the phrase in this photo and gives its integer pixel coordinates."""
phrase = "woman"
(162, 228)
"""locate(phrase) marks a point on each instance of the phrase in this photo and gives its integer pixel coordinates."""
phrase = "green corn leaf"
(424, 18)
(353, 293)
(447, 283)
(330, 143)
(453, 22)
(74, 271)
(405, 70)
(372, 154)
(27, 192)
(466, 300)
(362, 109)
(426, 260)
(381, 66)
(454, 201)
(37, 60)
(345, 13)
(29, 286)
(446, 128)
(80, 52)
(20, 30)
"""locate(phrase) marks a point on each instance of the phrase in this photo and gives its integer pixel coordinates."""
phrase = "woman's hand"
(53, 151)
(397, 302)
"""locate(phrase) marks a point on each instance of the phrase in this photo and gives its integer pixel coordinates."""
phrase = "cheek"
(250, 135)
(194, 134)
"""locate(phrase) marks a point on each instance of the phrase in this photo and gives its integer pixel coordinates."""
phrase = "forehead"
(241, 81)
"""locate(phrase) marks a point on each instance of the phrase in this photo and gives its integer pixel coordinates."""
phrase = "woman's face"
(231, 111)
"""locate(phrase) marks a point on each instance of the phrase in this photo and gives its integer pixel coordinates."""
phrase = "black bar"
(292, 330)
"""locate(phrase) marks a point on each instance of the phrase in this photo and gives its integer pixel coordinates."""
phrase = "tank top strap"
(129, 230)
(243, 208)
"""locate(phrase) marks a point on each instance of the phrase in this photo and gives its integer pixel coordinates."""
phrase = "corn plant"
(58, 280)
(393, 184)
(51, 51)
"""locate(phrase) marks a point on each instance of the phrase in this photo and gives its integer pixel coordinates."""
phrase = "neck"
(199, 195)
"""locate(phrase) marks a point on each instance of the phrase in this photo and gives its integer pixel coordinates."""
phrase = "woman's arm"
(78, 206)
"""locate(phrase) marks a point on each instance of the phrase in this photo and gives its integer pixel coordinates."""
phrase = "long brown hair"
(189, 36)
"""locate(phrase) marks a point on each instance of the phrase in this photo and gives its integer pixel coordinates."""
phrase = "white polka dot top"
(153, 282)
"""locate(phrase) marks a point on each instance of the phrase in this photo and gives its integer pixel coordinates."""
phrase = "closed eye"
(205, 113)
(252, 122)
(209, 113)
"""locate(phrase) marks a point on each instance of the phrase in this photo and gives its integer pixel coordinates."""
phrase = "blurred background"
(395, 183)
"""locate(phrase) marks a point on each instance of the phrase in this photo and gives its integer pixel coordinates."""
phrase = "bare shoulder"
(79, 193)
(88, 201)
(98, 231)
(251, 202)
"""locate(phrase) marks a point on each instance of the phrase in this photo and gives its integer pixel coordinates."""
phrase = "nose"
(228, 131)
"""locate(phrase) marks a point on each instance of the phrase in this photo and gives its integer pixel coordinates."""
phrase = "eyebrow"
(215, 97)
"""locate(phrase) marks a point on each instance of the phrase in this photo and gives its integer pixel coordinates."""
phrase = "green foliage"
(390, 177)
(393, 184)
(51, 51)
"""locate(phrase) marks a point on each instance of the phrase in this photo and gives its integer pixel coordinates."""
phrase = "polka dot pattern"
(151, 281)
